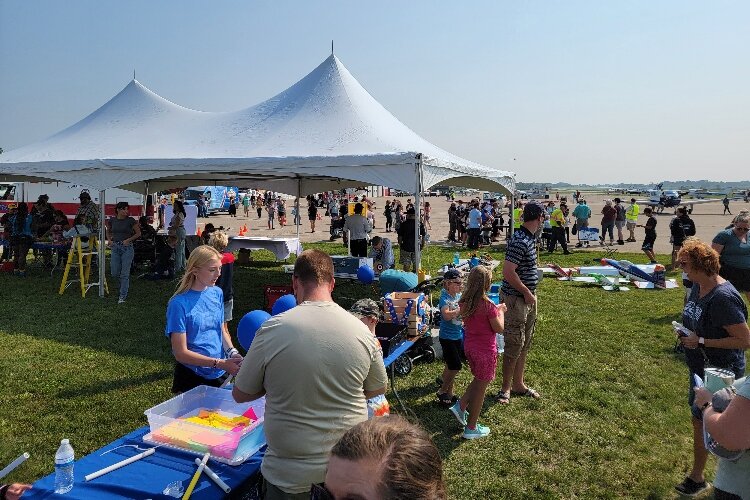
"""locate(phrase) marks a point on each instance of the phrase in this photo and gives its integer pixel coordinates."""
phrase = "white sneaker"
(121, 300)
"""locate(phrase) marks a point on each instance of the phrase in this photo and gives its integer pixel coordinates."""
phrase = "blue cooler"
(393, 280)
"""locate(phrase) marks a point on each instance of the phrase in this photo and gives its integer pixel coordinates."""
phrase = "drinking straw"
(197, 474)
(119, 464)
(216, 479)
(15, 463)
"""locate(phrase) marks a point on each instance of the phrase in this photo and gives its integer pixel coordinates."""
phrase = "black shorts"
(740, 278)
(453, 353)
(185, 379)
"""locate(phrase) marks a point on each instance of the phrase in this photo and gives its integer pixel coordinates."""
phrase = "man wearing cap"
(316, 364)
(89, 212)
(519, 295)
(382, 254)
(368, 311)
(406, 236)
(557, 223)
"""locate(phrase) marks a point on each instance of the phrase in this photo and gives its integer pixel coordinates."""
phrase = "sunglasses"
(742, 229)
(319, 492)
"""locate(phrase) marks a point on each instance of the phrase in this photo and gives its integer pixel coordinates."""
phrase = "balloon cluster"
(252, 321)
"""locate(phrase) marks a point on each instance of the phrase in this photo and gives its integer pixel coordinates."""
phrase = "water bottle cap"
(65, 441)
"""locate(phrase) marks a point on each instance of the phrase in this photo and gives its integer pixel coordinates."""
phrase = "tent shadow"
(115, 385)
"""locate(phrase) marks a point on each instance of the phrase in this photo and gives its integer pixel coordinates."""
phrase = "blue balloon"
(283, 303)
(365, 274)
(249, 325)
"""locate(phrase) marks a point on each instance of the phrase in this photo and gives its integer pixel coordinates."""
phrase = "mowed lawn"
(612, 423)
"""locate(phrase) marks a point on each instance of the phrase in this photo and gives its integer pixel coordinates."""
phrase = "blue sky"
(577, 91)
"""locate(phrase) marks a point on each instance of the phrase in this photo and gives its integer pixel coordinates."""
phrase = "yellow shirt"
(557, 219)
(517, 217)
(631, 214)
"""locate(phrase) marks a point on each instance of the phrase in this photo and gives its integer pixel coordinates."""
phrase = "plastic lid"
(65, 441)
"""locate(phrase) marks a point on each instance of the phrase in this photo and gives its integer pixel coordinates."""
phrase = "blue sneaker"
(480, 432)
(460, 416)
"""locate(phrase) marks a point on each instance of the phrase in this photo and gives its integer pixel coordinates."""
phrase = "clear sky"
(577, 91)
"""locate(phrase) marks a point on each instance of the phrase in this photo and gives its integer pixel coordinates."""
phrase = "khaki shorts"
(520, 321)
(630, 225)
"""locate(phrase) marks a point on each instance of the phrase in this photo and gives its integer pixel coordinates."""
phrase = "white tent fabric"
(324, 132)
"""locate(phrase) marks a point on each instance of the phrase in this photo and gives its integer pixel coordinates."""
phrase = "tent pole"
(144, 208)
(417, 197)
(512, 225)
(102, 236)
(296, 208)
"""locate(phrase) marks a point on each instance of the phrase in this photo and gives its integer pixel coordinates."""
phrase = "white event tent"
(325, 132)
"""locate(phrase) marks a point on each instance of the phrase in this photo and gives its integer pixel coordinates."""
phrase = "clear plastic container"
(233, 446)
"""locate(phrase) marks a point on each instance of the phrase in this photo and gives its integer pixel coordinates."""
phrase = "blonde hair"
(608, 203)
(477, 285)
(199, 257)
(219, 240)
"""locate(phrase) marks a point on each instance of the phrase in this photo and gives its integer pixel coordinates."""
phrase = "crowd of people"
(342, 451)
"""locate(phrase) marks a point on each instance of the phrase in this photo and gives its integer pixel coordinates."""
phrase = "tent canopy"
(324, 132)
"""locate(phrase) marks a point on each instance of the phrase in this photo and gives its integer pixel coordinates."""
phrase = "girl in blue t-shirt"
(202, 349)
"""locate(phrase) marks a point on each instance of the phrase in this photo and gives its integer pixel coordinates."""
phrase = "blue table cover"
(147, 477)
(398, 351)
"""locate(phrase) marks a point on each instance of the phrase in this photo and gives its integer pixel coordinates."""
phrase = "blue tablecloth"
(398, 351)
(147, 477)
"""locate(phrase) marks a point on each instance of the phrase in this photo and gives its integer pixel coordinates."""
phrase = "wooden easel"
(82, 258)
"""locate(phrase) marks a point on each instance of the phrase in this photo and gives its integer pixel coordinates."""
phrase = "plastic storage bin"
(233, 446)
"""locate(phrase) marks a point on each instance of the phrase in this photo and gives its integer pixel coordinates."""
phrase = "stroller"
(337, 228)
(423, 348)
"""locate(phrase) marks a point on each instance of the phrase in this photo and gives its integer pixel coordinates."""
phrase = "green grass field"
(612, 422)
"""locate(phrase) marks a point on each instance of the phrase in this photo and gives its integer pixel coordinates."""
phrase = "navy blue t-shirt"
(521, 251)
(707, 317)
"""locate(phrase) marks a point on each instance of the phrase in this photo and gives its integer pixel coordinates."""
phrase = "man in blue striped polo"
(519, 295)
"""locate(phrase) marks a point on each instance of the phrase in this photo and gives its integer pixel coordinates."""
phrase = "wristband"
(701, 341)
(231, 352)
(707, 404)
(216, 363)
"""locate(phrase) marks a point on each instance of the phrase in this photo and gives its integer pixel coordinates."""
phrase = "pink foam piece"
(250, 413)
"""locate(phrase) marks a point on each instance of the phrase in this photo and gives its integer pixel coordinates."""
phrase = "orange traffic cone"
(244, 228)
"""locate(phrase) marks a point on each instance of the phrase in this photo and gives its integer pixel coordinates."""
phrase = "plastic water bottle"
(64, 459)
(456, 258)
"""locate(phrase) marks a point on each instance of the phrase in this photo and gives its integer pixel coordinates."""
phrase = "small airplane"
(561, 273)
(641, 279)
(669, 198)
(608, 283)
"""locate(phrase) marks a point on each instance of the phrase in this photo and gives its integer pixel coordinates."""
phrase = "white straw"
(15, 463)
(122, 463)
(216, 479)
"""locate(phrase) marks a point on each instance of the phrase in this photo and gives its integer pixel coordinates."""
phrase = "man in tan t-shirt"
(316, 364)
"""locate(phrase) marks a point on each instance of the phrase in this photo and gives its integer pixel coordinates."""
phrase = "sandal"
(503, 397)
(445, 399)
(529, 393)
